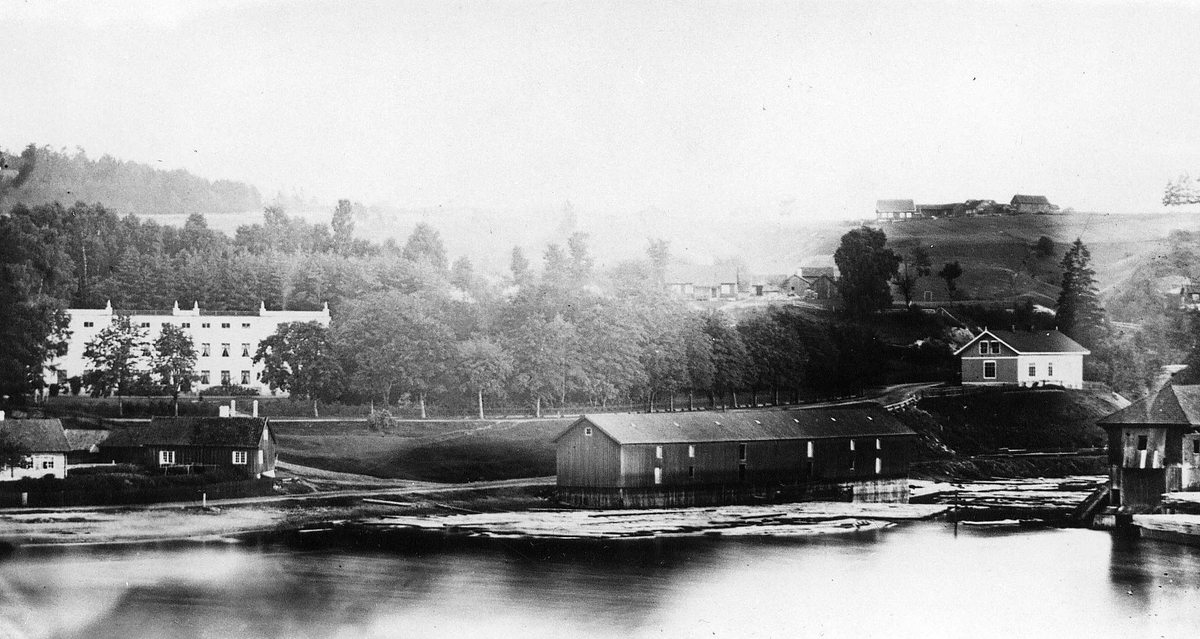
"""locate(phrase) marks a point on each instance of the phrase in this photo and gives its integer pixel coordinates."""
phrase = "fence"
(59, 498)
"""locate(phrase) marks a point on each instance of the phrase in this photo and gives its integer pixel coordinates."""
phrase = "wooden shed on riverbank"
(638, 460)
(1154, 448)
(194, 444)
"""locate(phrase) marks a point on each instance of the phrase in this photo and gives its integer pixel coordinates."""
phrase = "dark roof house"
(247, 443)
(1030, 204)
(894, 209)
(36, 435)
(1022, 358)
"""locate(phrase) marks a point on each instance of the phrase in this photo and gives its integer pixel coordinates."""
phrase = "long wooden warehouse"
(640, 460)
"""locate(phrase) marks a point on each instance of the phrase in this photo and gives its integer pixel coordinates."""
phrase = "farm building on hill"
(1023, 358)
(643, 460)
(194, 444)
(895, 209)
(1154, 448)
(813, 282)
(1031, 204)
(44, 446)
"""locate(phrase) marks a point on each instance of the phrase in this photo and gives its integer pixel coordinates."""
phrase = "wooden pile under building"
(847, 453)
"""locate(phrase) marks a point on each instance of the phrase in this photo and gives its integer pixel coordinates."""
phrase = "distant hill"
(39, 175)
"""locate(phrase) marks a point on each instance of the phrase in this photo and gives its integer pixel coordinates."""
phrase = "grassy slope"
(452, 451)
(1030, 419)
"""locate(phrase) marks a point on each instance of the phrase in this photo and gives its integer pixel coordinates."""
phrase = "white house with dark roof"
(639, 460)
(43, 443)
(1023, 358)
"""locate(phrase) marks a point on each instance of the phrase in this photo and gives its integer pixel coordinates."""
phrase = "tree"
(425, 246)
(298, 358)
(343, 227)
(461, 274)
(580, 267)
(548, 363)
(519, 265)
(174, 361)
(731, 361)
(913, 266)
(866, 266)
(950, 272)
(1079, 313)
(1180, 191)
(1044, 247)
(114, 353)
(484, 366)
(659, 253)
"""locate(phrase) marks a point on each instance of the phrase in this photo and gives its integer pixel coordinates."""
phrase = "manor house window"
(245, 377)
(245, 350)
(205, 350)
(224, 378)
(224, 350)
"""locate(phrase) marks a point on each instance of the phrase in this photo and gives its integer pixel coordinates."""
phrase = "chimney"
(1, 415)
(223, 411)
(254, 408)
(232, 407)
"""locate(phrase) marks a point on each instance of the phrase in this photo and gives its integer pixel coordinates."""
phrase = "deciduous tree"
(115, 354)
(484, 366)
(174, 361)
(866, 267)
(298, 358)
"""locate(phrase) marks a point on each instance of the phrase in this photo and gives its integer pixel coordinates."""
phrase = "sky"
(699, 108)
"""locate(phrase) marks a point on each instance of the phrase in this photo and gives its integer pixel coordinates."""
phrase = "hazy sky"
(622, 106)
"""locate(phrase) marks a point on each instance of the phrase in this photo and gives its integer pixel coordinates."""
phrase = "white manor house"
(226, 341)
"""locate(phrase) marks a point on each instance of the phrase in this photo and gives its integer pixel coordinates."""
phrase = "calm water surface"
(915, 580)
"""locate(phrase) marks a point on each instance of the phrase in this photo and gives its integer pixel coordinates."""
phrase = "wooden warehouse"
(1154, 448)
(195, 444)
(643, 460)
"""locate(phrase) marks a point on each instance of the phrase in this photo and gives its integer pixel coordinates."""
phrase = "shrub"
(229, 390)
(381, 420)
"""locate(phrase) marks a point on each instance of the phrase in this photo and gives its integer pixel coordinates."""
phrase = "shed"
(682, 459)
(44, 444)
(197, 443)
(1154, 448)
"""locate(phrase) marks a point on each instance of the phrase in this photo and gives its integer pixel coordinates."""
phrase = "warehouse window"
(741, 472)
(691, 451)
(989, 370)
(587, 431)
(658, 452)
(878, 444)
(658, 475)
(851, 444)
(691, 472)
(239, 457)
(851, 462)
(878, 465)
(742, 452)
(810, 450)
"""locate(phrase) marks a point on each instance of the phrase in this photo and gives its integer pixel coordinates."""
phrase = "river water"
(914, 580)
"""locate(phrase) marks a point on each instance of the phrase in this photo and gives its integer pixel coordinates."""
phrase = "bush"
(229, 390)
(127, 469)
(381, 420)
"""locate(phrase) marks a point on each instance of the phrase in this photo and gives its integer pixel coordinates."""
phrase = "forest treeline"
(42, 175)
(410, 325)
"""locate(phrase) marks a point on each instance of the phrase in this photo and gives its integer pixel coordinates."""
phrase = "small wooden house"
(685, 459)
(43, 443)
(1023, 358)
(1153, 448)
(895, 210)
(196, 444)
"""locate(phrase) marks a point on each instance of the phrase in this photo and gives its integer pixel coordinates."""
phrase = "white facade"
(36, 466)
(225, 341)
(1060, 369)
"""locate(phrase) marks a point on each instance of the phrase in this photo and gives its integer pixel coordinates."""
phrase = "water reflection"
(912, 581)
